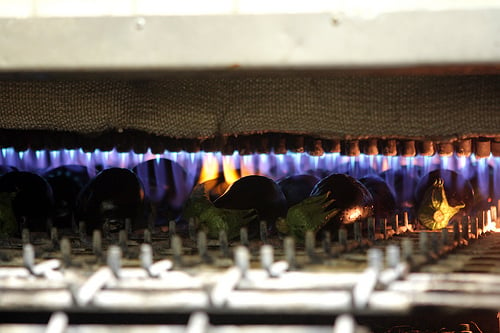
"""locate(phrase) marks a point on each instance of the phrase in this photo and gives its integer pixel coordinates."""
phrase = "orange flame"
(209, 169)
(229, 169)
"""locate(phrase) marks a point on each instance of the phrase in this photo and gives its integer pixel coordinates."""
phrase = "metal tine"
(25, 236)
(445, 237)
(114, 260)
(475, 228)
(223, 243)
(123, 241)
(147, 236)
(171, 231)
(406, 221)
(154, 269)
(435, 243)
(423, 243)
(58, 323)
(289, 250)
(54, 237)
(82, 232)
(274, 269)
(201, 243)
(244, 237)
(29, 257)
(263, 231)
(357, 232)
(343, 238)
(383, 227)
(392, 256)
(310, 247)
(97, 243)
(146, 256)
(465, 227)
(242, 259)
(266, 257)
(177, 250)
(371, 228)
(198, 323)
(456, 231)
(395, 224)
(344, 324)
(128, 225)
(192, 223)
(407, 249)
(327, 243)
(66, 251)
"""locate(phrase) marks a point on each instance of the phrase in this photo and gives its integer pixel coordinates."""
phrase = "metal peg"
(327, 243)
(29, 256)
(66, 251)
(263, 231)
(244, 237)
(54, 237)
(289, 249)
(25, 235)
(58, 323)
(224, 246)
(147, 236)
(343, 237)
(97, 243)
(177, 249)
(115, 259)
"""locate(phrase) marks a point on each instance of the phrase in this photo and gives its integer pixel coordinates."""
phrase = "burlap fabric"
(324, 106)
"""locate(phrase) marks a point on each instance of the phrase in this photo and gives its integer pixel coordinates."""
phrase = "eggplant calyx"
(435, 211)
(309, 215)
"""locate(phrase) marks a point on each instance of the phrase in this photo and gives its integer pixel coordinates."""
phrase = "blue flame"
(275, 166)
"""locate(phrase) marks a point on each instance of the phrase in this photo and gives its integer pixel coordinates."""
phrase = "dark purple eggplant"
(66, 182)
(109, 199)
(439, 195)
(32, 201)
(255, 192)
(383, 197)
(483, 184)
(297, 188)
(353, 200)
(403, 183)
(165, 186)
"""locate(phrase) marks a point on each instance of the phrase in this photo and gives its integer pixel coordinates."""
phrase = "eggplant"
(109, 199)
(255, 192)
(351, 197)
(335, 201)
(212, 219)
(66, 182)
(31, 197)
(165, 186)
(384, 202)
(297, 188)
(403, 183)
(441, 194)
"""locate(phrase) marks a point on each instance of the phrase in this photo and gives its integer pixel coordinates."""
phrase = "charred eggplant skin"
(111, 197)
(351, 198)
(255, 192)
(296, 188)
(32, 199)
(383, 198)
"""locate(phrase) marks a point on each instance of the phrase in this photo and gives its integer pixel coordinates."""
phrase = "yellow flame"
(209, 169)
(229, 169)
